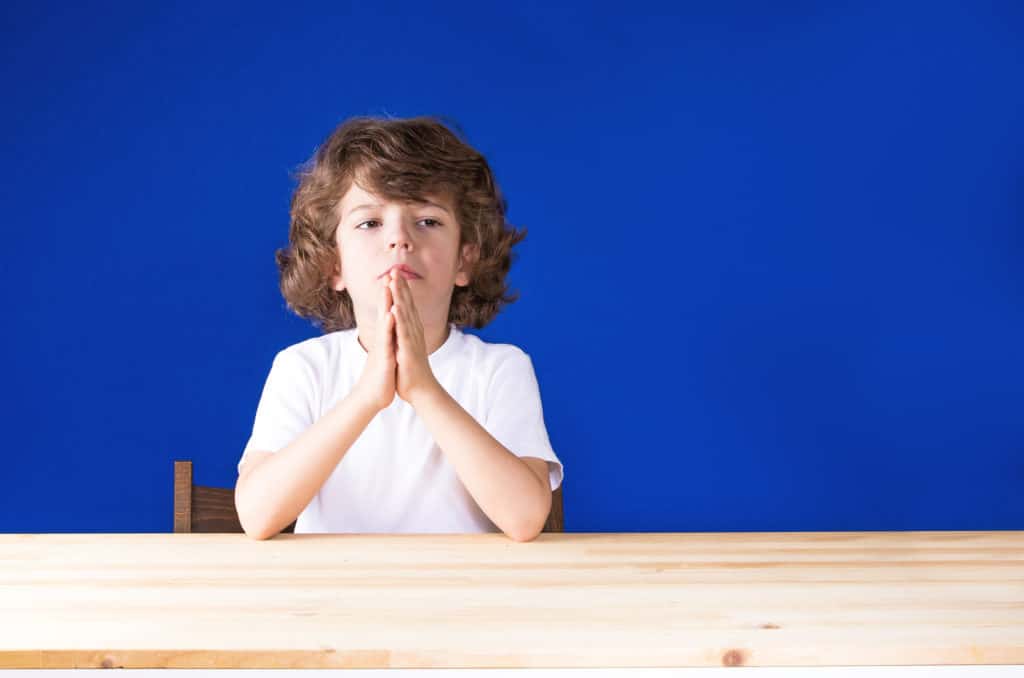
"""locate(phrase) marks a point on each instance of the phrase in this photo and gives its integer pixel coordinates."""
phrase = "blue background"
(772, 279)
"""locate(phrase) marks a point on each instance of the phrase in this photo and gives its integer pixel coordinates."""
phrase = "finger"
(409, 305)
(403, 286)
(382, 304)
(396, 291)
(397, 311)
(387, 324)
(406, 312)
(413, 322)
(408, 329)
(383, 341)
(407, 294)
(402, 304)
(401, 325)
(383, 301)
(389, 339)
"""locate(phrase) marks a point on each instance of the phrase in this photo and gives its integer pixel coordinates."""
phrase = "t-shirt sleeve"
(287, 404)
(514, 414)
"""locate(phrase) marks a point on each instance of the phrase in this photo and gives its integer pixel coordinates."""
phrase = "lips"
(403, 271)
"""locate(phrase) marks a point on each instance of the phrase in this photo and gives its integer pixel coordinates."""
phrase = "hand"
(415, 378)
(377, 382)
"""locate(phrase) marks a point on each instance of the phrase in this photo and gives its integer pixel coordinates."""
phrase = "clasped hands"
(397, 357)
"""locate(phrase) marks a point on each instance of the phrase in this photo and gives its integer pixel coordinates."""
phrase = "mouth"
(403, 271)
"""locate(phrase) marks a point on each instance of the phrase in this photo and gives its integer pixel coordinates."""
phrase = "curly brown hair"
(398, 159)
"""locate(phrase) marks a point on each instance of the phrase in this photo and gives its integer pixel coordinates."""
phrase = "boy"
(397, 239)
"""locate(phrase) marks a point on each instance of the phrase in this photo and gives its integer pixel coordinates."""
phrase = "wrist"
(426, 393)
(360, 395)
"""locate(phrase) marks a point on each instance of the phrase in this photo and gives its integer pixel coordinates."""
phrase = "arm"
(272, 494)
(512, 494)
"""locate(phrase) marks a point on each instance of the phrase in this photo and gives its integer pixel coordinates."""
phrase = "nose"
(398, 238)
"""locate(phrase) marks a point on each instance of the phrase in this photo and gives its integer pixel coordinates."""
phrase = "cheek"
(353, 265)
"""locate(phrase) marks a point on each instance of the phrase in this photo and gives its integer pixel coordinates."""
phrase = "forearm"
(504, 487)
(272, 495)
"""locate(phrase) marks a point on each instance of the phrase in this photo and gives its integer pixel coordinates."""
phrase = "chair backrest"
(204, 509)
(212, 509)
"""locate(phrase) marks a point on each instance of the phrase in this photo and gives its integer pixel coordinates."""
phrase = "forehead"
(356, 196)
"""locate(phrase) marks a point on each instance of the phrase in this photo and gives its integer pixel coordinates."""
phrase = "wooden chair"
(212, 509)
(204, 509)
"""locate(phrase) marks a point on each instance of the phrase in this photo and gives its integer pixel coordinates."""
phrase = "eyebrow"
(370, 206)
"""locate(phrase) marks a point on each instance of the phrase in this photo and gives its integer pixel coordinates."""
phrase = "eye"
(432, 223)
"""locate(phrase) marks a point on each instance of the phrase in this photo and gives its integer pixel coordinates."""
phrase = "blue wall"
(772, 279)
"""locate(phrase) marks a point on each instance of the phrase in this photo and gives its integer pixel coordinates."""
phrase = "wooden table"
(563, 600)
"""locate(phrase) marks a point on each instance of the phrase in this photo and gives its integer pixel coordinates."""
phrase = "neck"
(434, 335)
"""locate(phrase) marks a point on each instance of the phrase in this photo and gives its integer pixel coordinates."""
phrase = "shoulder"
(492, 351)
(494, 358)
(313, 355)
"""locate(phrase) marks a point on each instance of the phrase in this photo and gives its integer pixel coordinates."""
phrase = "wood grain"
(485, 601)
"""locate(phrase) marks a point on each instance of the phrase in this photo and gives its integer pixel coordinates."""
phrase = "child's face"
(375, 235)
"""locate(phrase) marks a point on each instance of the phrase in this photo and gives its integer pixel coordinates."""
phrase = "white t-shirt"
(394, 478)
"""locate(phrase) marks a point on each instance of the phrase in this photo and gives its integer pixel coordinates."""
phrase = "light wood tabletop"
(483, 600)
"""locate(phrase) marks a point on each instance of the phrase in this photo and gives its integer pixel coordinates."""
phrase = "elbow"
(254, 530)
(262, 535)
(254, 526)
(527, 531)
(258, 530)
(524, 536)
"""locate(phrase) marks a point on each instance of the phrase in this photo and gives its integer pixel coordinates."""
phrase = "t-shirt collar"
(436, 358)
(445, 349)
